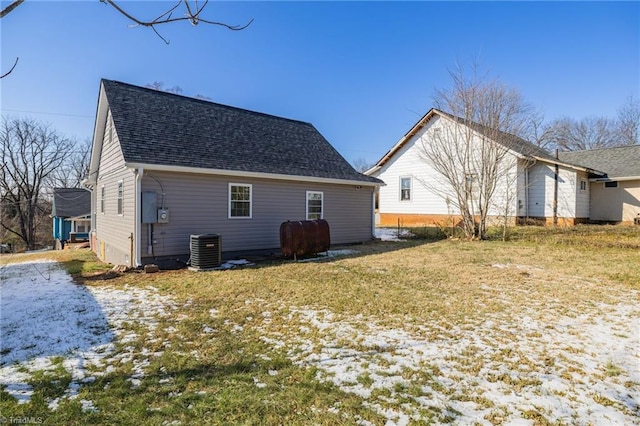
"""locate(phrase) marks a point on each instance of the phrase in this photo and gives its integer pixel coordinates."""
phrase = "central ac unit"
(206, 251)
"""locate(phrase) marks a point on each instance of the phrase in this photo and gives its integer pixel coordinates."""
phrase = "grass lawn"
(542, 329)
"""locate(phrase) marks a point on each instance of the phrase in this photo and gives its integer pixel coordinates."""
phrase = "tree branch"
(191, 15)
(7, 10)
(9, 72)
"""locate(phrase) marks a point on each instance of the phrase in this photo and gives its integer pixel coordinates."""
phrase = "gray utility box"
(149, 207)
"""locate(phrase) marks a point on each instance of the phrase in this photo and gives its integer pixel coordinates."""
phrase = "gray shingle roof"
(161, 128)
(71, 202)
(617, 162)
(511, 141)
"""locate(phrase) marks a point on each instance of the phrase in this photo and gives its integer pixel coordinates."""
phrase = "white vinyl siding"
(541, 191)
(315, 201)
(114, 231)
(429, 190)
(240, 204)
(615, 204)
(273, 202)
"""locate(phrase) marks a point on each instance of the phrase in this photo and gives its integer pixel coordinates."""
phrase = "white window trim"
(120, 213)
(250, 201)
(306, 203)
(585, 184)
(410, 189)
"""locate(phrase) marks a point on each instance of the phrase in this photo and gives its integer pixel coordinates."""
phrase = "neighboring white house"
(615, 197)
(535, 186)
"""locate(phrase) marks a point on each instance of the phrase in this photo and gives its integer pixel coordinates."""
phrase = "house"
(615, 197)
(71, 213)
(534, 186)
(165, 167)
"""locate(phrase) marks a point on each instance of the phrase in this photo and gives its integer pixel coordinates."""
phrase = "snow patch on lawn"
(392, 234)
(45, 316)
(329, 254)
(570, 369)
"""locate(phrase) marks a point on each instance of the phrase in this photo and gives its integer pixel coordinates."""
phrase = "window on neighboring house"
(612, 184)
(471, 185)
(583, 184)
(314, 205)
(239, 200)
(405, 189)
(102, 192)
(120, 197)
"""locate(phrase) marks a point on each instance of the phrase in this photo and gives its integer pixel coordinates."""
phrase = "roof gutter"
(571, 166)
(616, 179)
(257, 175)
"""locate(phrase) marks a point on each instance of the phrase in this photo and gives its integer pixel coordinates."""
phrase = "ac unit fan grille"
(206, 251)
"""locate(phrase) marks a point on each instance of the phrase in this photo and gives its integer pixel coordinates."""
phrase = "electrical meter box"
(163, 215)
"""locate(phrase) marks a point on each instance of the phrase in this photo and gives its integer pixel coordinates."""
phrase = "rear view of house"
(165, 167)
(71, 213)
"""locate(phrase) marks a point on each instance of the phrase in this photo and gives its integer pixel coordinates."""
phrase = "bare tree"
(75, 167)
(30, 153)
(159, 85)
(361, 164)
(588, 133)
(629, 122)
(192, 13)
(470, 151)
(538, 132)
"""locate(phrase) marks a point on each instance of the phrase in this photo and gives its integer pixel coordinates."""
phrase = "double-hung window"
(120, 197)
(405, 189)
(102, 195)
(314, 205)
(240, 201)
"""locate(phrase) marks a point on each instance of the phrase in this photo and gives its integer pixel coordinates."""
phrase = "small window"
(471, 185)
(583, 185)
(405, 189)
(102, 192)
(240, 200)
(612, 184)
(120, 197)
(314, 205)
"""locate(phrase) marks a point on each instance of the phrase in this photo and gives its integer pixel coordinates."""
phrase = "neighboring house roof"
(619, 162)
(513, 142)
(165, 129)
(71, 202)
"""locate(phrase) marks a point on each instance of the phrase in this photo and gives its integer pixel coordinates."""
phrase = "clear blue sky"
(361, 72)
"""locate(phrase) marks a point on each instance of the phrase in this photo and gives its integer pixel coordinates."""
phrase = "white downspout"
(136, 223)
(373, 212)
